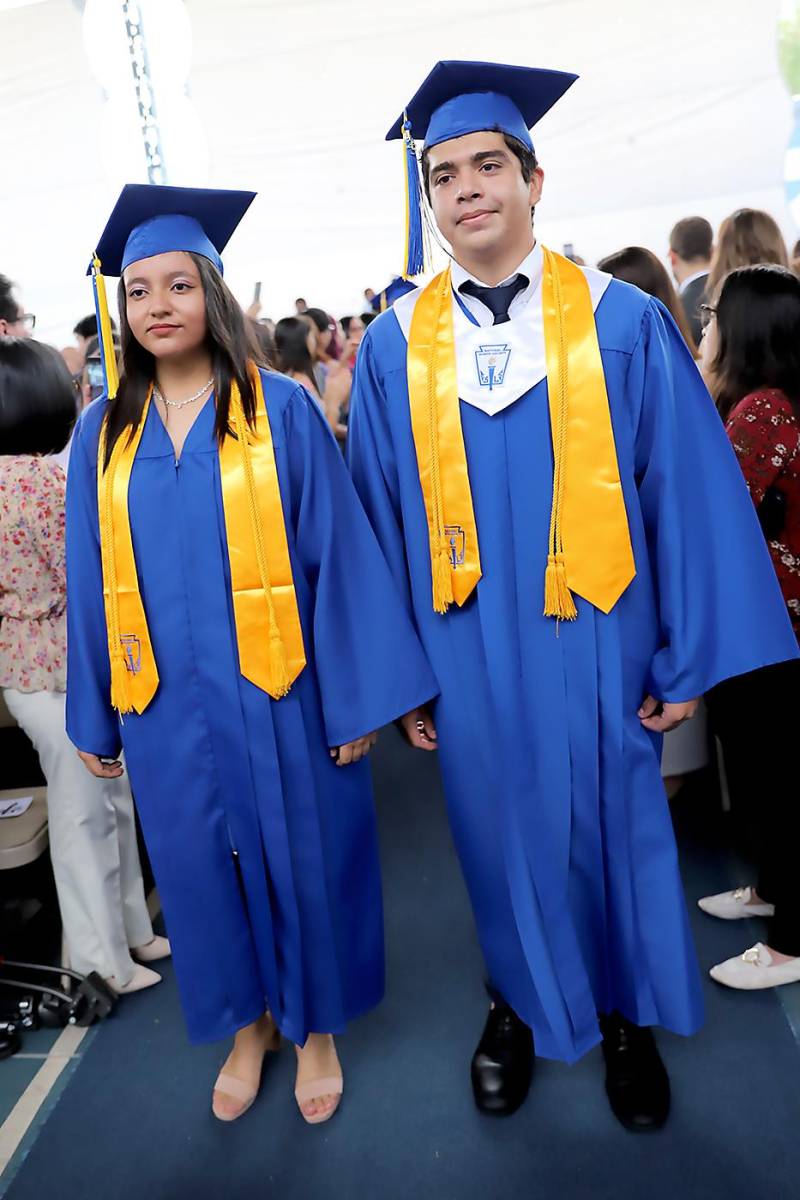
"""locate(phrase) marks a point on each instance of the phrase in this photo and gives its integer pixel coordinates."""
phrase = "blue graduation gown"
(553, 786)
(293, 922)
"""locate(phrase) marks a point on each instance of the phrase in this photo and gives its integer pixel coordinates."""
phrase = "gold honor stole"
(268, 632)
(589, 549)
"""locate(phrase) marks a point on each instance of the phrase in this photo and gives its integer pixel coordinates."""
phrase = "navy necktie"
(497, 299)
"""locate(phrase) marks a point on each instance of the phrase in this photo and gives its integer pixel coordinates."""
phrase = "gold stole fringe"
(589, 548)
(268, 632)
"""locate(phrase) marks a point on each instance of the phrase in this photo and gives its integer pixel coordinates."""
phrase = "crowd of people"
(735, 299)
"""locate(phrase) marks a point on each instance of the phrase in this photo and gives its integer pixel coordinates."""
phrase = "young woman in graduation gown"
(234, 628)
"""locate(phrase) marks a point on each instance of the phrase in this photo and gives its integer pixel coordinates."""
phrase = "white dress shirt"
(690, 279)
(531, 266)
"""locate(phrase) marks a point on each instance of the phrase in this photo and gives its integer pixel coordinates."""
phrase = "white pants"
(92, 845)
(686, 748)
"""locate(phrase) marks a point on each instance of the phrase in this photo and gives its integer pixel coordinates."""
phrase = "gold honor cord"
(268, 632)
(590, 549)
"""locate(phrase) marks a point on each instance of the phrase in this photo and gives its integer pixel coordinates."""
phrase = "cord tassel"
(558, 600)
(442, 577)
(120, 692)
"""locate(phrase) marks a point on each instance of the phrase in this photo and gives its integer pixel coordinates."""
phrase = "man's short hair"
(527, 160)
(692, 238)
(9, 309)
(87, 326)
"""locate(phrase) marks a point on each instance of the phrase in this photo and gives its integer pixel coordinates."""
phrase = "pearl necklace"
(182, 403)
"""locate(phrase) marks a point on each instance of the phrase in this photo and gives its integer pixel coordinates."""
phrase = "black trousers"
(757, 720)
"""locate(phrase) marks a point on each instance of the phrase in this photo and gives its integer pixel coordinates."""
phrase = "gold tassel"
(442, 578)
(278, 666)
(558, 601)
(120, 693)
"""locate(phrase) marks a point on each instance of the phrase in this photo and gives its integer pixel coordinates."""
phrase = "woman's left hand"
(354, 751)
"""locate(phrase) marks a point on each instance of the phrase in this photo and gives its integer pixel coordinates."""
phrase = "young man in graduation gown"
(555, 495)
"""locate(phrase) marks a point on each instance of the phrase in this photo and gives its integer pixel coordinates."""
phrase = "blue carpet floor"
(134, 1119)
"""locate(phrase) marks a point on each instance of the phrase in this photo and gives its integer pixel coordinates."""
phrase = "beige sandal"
(238, 1089)
(313, 1089)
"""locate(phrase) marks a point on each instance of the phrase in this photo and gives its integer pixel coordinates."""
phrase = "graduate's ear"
(535, 186)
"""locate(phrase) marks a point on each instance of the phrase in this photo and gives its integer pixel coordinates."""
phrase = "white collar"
(690, 279)
(532, 266)
(517, 347)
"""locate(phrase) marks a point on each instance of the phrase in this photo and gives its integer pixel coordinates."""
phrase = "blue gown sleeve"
(721, 611)
(369, 662)
(92, 724)
(373, 466)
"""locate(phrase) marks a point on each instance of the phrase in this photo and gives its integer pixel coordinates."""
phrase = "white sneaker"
(142, 978)
(755, 969)
(732, 906)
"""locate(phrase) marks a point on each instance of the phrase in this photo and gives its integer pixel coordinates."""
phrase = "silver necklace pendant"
(183, 403)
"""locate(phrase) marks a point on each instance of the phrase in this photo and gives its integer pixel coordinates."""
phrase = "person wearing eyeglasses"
(14, 321)
(751, 360)
(85, 334)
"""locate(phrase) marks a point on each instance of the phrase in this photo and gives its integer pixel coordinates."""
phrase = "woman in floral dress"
(91, 825)
(751, 356)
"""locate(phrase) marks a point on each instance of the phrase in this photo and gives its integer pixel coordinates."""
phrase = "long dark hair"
(291, 346)
(38, 400)
(232, 345)
(758, 331)
(642, 268)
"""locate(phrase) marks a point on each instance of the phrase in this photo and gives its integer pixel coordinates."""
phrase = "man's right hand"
(419, 728)
(95, 766)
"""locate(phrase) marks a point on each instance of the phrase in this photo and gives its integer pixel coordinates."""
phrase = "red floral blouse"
(765, 434)
(33, 586)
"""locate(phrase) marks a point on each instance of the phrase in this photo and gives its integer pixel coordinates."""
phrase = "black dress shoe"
(502, 1065)
(636, 1079)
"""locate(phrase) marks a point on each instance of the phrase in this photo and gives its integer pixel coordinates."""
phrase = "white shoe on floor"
(755, 969)
(142, 978)
(159, 947)
(732, 906)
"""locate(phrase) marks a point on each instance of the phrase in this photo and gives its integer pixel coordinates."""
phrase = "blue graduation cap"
(393, 291)
(459, 98)
(150, 219)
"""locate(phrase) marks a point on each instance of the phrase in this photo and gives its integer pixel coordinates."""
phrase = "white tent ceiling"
(680, 108)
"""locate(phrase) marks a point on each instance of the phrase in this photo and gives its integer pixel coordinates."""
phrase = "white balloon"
(106, 46)
(166, 27)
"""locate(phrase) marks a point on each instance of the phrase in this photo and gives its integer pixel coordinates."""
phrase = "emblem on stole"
(457, 541)
(492, 363)
(133, 652)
